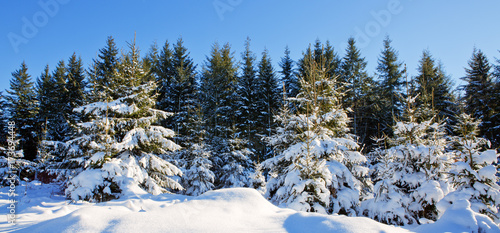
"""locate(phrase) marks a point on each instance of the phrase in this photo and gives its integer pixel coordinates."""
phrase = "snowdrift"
(227, 210)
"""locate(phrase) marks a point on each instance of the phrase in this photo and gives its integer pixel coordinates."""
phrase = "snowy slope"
(227, 210)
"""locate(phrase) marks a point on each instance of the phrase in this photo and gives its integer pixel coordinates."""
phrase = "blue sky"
(448, 29)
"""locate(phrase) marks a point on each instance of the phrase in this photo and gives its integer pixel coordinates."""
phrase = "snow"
(488, 172)
(488, 157)
(460, 218)
(225, 210)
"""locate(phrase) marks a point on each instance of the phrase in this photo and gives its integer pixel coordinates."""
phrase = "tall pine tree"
(23, 110)
(247, 98)
(219, 97)
(359, 93)
(479, 94)
(288, 76)
(390, 74)
(75, 86)
(102, 71)
(434, 88)
(268, 103)
(182, 92)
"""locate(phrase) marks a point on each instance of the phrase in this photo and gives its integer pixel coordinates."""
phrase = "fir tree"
(289, 78)
(434, 88)
(198, 177)
(267, 101)
(164, 72)
(120, 145)
(247, 98)
(390, 74)
(218, 85)
(23, 110)
(359, 95)
(58, 125)
(102, 72)
(75, 86)
(410, 176)
(479, 93)
(317, 168)
(182, 91)
(473, 176)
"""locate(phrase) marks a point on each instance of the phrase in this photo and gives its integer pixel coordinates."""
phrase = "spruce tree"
(268, 103)
(58, 124)
(164, 73)
(479, 94)
(247, 98)
(23, 110)
(102, 71)
(182, 91)
(75, 86)
(317, 167)
(390, 74)
(231, 163)
(359, 94)
(198, 176)
(289, 78)
(474, 174)
(45, 87)
(120, 146)
(411, 174)
(434, 88)
(218, 85)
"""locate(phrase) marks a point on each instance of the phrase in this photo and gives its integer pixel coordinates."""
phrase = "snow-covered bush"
(473, 175)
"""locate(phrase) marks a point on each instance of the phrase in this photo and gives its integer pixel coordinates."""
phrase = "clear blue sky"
(448, 29)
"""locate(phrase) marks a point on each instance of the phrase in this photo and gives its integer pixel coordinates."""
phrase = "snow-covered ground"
(45, 209)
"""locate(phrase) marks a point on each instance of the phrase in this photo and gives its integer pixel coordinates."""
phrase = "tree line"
(299, 134)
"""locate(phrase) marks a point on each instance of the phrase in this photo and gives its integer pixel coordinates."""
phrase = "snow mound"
(460, 218)
(226, 210)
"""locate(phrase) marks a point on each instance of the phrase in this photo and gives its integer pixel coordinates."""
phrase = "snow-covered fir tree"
(195, 160)
(119, 147)
(230, 155)
(410, 176)
(317, 167)
(474, 174)
(257, 179)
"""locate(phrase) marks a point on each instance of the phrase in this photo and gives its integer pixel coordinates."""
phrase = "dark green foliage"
(481, 95)
(268, 104)
(23, 110)
(247, 98)
(163, 71)
(289, 78)
(321, 54)
(434, 88)
(359, 94)
(183, 92)
(57, 125)
(102, 72)
(390, 87)
(218, 86)
(75, 85)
